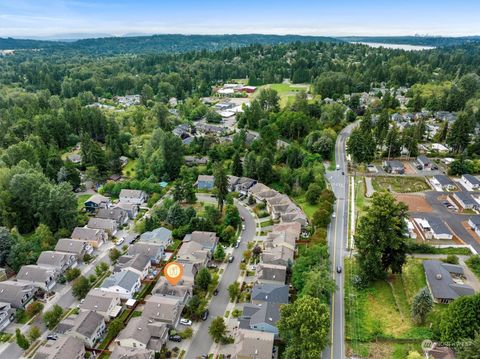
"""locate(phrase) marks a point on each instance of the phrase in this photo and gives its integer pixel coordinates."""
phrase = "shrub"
(34, 308)
(72, 274)
(451, 258)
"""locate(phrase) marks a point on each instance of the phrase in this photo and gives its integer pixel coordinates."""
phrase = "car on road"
(243, 218)
(175, 338)
(339, 269)
(186, 322)
(205, 315)
(343, 173)
(231, 259)
(52, 336)
(243, 227)
(333, 215)
(120, 241)
(212, 265)
(237, 243)
(215, 292)
(338, 167)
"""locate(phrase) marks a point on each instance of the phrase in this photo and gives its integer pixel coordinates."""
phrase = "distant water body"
(397, 46)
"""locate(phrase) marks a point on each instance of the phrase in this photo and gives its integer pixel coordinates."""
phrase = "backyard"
(81, 200)
(129, 169)
(400, 184)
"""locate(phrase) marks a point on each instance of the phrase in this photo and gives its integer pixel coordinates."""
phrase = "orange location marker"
(173, 271)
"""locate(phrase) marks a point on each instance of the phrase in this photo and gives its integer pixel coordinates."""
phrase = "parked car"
(338, 167)
(120, 241)
(212, 265)
(175, 338)
(243, 227)
(339, 269)
(237, 244)
(231, 259)
(185, 322)
(52, 336)
(205, 315)
(333, 215)
(215, 292)
(243, 219)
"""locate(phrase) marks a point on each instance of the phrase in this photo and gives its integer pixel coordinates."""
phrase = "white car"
(243, 227)
(186, 322)
(333, 215)
(120, 241)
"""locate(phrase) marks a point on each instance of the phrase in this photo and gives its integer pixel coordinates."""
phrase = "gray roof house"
(107, 304)
(262, 317)
(394, 166)
(65, 347)
(425, 162)
(474, 223)
(96, 237)
(164, 288)
(253, 344)
(160, 235)
(152, 250)
(205, 182)
(74, 246)
(7, 313)
(144, 333)
(470, 182)
(131, 353)
(433, 228)
(133, 196)
(88, 326)
(269, 293)
(138, 263)
(271, 274)
(208, 240)
(96, 202)
(165, 309)
(16, 293)
(131, 208)
(38, 276)
(193, 253)
(444, 182)
(444, 281)
(124, 283)
(108, 225)
(118, 214)
(60, 261)
(465, 200)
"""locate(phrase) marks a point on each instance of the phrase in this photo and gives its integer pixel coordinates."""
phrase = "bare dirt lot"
(415, 202)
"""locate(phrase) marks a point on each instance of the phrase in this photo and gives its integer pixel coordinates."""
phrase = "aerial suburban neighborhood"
(165, 194)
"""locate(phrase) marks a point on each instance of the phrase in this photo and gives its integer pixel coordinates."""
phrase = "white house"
(471, 183)
(124, 283)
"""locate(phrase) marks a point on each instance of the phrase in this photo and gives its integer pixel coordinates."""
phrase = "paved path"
(370, 190)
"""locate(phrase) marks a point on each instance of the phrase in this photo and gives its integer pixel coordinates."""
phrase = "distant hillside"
(414, 40)
(158, 43)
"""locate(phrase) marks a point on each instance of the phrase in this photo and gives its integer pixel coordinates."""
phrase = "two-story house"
(16, 293)
(38, 276)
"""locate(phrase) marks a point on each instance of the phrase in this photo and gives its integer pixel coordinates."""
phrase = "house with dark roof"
(207, 240)
(88, 326)
(125, 283)
(144, 333)
(474, 223)
(464, 200)
(432, 228)
(65, 347)
(425, 162)
(16, 293)
(119, 215)
(96, 237)
(443, 183)
(445, 281)
(205, 182)
(152, 250)
(162, 308)
(181, 291)
(270, 274)
(394, 166)
(270, 293)
(253, 344)
(138, 263)
(96, 202)
(470, 182)
(131, 208)
(262, 317)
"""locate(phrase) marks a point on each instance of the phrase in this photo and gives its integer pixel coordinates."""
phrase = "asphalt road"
(337, 239)
(202, 341)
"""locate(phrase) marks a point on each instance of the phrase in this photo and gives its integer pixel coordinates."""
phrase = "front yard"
(400, 184)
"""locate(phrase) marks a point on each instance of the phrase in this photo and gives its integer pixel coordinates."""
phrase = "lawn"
(129, 169)
(266, 223)
(81, 200)
(361, 202)
(400, 184)
(308, 208)
(176, 243)
(474, 265)
(286, 92)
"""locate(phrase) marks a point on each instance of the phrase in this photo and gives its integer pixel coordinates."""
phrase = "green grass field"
(286, 92)
(81, 200)
(129, 169)
(400, 184)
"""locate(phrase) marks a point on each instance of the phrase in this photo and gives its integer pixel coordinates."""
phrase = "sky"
(47, 18)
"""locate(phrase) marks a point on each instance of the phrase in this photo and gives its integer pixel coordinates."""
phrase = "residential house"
(394, 166)
(15, 293)
(38, 276)
(425, 162)
(474, 223)
(88, 326)
(278, 252)
(432, 228)
(75, 158)
(181, 291)
(295, 215)
(438, 147)
(163, 308)
(131, 353)
(59, 261)
(128, 100)
(162, 236)
(470, 182)
(133, 196)
(464, 200)
(108, 225)
(138, 263)
(77, 247)
(65, 347)
(119, 215)
(208, 240)
(193, 253)
(152, 250)
(262, 317)
(107, 304)
(182, 131)
(205, 182)
(125, 283)
(143, 333)
(271, 293)
(251, 344)
(96, 202)
(444, 281)
(443, 183)
(271, 273)
(131, 208)
(95, 237)
(7, 314)
(195, 161)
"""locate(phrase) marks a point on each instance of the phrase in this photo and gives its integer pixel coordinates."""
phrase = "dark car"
(52, 336)
(215, 292)
(339, 269)
(175, 338)
(205, 315)
(231, 259)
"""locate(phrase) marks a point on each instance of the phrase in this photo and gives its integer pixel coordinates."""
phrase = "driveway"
(202, 342)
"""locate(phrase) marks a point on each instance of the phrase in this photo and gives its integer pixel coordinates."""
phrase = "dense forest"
(435, 41)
